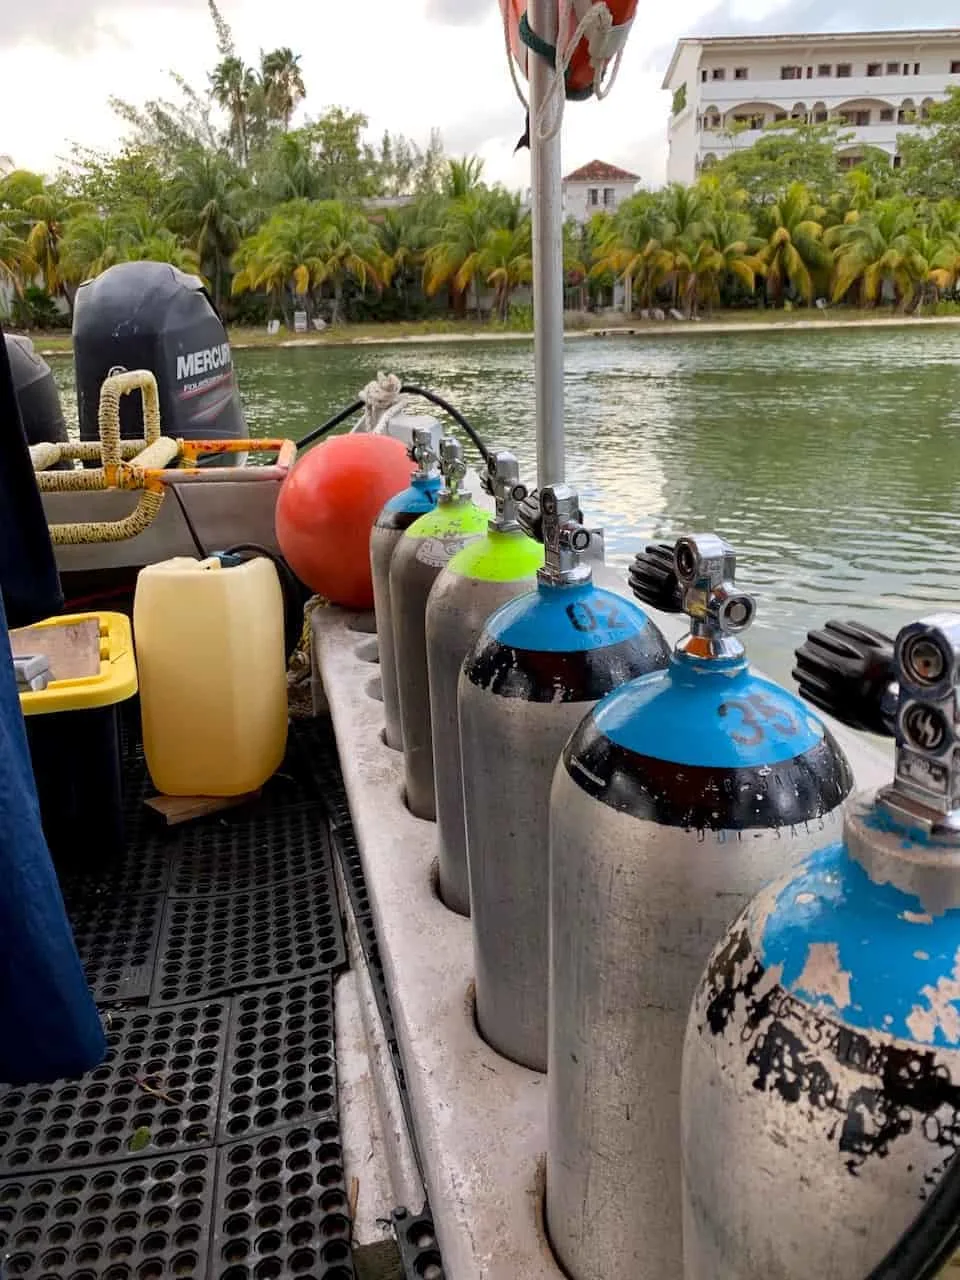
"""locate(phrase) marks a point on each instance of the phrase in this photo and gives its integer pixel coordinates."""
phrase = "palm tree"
(876, 249)
(233, 84)
(506, 261)
(282, 82)
(286, 254)
(15, 263)
(404, 236)
(625, 245)
(90, 244)
(206, 203)
(351, 250)
(49, 211)
(462, 177)
(724, 249)
(454, 259)
(793, 253)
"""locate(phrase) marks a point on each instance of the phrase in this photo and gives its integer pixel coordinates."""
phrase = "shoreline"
(252, 340)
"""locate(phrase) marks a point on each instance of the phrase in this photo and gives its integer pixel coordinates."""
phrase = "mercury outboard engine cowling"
(36, 392)
(149, 315)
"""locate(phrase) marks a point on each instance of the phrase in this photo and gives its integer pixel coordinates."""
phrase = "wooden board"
(177, 809)
(72, 649)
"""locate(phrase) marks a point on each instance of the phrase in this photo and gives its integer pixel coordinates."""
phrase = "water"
(829, 460)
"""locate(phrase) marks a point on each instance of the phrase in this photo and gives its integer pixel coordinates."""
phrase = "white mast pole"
(547, 255)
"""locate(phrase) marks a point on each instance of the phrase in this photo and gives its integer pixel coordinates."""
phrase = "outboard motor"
(398, 515)
(821, 1068)
(424, 550)
(149, 315)
(36, 392)
(541, 661)
(480, 578)
(676, 798)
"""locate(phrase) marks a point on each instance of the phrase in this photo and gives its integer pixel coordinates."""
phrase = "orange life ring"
(583, 70)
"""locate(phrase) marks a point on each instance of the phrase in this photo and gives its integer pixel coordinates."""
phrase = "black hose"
(407, 389)
(295, 595)
(201, 549)
(931, 1239)
(455, 414)
(318, 432)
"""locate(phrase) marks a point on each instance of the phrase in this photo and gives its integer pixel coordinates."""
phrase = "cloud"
(728, 18)
(75, 25)
(458, 13)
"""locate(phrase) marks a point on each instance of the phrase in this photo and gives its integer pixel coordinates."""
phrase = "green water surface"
(831, 460)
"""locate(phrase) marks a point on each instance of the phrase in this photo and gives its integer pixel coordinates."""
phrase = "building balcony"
(885, 136)
(829, 89)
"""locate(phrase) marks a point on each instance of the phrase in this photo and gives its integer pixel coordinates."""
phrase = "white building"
(596, 187)
(875, 84)
(6, 165)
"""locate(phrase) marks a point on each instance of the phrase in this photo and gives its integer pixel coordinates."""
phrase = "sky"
(408, 65)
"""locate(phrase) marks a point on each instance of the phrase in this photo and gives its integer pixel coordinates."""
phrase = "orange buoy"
(605, 35)
(327, 508)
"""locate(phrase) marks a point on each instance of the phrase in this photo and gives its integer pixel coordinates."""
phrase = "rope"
(381, 401)
(44, 455)
(524, 32)
(594, 23)
(88, 531)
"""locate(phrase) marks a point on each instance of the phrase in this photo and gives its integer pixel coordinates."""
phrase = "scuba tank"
(541, 661)
(478, 579)
(423, 550)
(398, 515)
(821, 1068)
(676, 798)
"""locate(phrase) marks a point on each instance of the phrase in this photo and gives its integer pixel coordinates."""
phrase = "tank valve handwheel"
(653, 578)
(847, 670)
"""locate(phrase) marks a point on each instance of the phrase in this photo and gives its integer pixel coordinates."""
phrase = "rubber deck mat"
(416, 1237)
(281, 1207)
(240, 940)
(158, 1090)
(269, 846)
(146, 1220)
(281, 1059)
(116, 936)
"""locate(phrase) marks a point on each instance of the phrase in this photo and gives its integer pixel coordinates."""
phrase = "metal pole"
(547, 260)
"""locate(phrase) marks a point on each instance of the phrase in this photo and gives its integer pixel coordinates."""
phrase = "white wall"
(576, 198)
(764, 93)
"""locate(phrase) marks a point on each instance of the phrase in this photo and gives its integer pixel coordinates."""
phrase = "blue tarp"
(49, 1025)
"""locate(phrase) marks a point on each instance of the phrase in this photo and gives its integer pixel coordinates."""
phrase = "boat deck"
(209, 1144)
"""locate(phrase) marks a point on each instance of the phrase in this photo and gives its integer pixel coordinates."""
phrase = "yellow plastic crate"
(91, 657)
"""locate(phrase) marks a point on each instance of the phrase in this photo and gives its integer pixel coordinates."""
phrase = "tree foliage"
(279, 211)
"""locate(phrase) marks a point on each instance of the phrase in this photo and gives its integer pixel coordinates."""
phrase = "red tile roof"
(599, 171)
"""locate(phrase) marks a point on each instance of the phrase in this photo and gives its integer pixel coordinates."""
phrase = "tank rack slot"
(207, 1145)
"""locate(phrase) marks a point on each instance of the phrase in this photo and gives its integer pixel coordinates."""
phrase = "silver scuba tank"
(422, 552)
(398, 515)
(675, 799)
(540, 662)
(821, 1068)
(480, 578)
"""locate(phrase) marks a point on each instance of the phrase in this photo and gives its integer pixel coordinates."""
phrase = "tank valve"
(502, 482)
(700, 584)
(552, 516)
(908, 689)
(453, 469)
(421, 452)
(848, 670)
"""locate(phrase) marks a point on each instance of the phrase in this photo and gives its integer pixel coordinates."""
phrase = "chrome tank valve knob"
(421, 452)
(926, 785)
(453, 469)
(555, 519)
(502, 482)
(700, 582)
